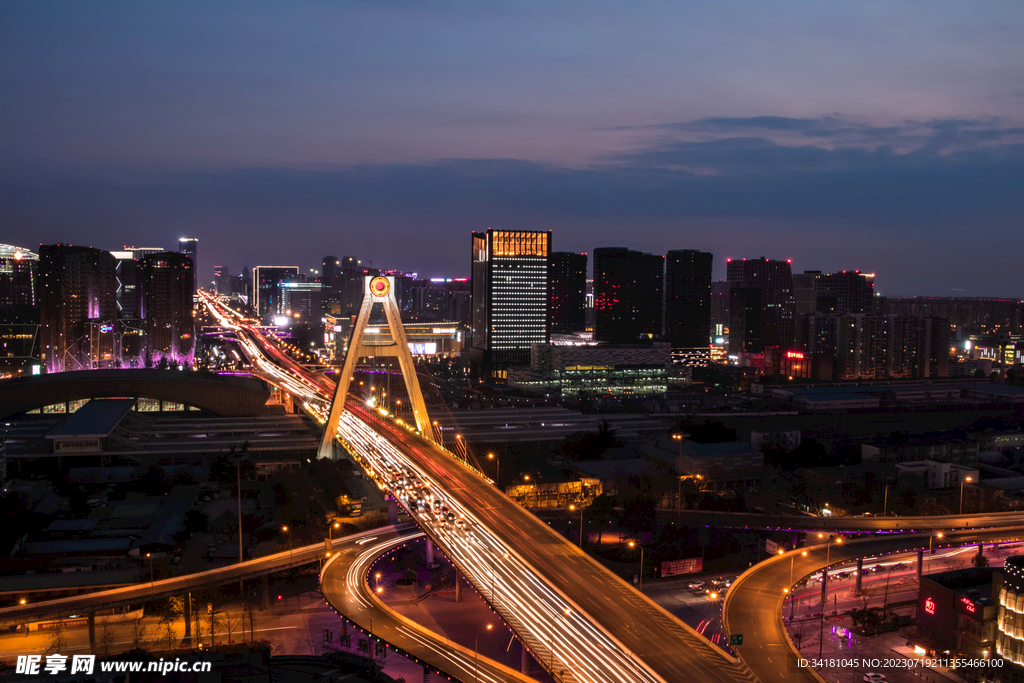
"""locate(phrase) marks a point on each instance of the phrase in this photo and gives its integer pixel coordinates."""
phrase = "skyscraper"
(170, 328)
(688, 305)
(18, 272)
(266, 290)
(141, 252)
(849, 291)
(128, 280)
(189, 246)
(510, 297)
(628, 295)
(568, 292)
(221, 279)
(78, 307)
(762, 307)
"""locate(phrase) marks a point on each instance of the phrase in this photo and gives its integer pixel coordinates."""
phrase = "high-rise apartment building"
(141, 252)
(189, 246)
(762, 307)
(510, 297)
(330, 267)
(78, 307)
(266, 289)
(628, 295)
(688, 305)
(19, 310)
(168, 281)
(128, 280)
(300, 299)
(978, 315)
(720, 317)
(568, 292)
(849, 291)
(222, 280)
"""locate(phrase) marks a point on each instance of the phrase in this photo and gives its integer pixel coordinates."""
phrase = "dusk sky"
(881, 136)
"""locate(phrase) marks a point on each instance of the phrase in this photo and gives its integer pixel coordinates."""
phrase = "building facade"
(688, 305)
(568, 292)
(510, 298)
(762, 307)
(628, 295)
(168, 280)
(595, 370)
(189, 246)
(266, 289)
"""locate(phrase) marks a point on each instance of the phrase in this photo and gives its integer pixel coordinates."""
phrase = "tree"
(980, 560)
(106, 638)
(601, 511)
(58, 637)
(638, 514)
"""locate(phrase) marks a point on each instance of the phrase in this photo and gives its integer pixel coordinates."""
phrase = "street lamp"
(378, 592)
(150, 556)
(476, 652)
(637, 545)
(573, 507)
(679, 493)
(938, 535)
(792, 599)
(290, 548)
(330, 531)
(238, 459)
(497, 469)
(962, 493)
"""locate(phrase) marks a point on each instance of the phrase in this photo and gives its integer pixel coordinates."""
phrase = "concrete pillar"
(796, 538)
(981, 548)
(92, 630)
(524, 665)
(392, 511)
(187, 614)
(266, 591)
(860, 575)
(920, 564)
(426, 674)
(458, 586)
(430, 553)
(373, 650)
(824, 586)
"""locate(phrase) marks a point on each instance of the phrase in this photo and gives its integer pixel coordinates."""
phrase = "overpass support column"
(426, 674)
(824, 587)
(524, 664)
(920, 564)
(430, 553)
(266, 591)
(392, 511)
(981, 548)
(860, 575)
(458, 586)
(92, 630)
(796, 538)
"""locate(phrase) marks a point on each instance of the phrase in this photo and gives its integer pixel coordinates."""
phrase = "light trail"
(565, 640)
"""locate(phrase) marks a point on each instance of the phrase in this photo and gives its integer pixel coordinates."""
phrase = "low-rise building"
(595, 370)
(938, 475)
(957, 615)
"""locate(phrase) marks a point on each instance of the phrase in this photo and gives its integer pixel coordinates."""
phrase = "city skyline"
(882, 138)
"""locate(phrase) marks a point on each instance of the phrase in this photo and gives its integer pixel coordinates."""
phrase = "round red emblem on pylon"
(379, 286)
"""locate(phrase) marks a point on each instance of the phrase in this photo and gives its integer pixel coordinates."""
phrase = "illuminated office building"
(266, 282)
(510, 298)
(189, 246)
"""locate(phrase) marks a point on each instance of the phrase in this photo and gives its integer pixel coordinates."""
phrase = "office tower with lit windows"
(221, 280)
(761, 305)
(266, 282)
(510, 298)
(843, 293)
(78, 307)
(300, 299)
(19, 310)
(688, 305)
(168, 280)
(18, 271)
(568, 292)
(141, 252)
(189, 246)
(628, 295)
(128, 280)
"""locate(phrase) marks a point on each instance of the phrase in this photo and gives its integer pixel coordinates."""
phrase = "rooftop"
(96, 418)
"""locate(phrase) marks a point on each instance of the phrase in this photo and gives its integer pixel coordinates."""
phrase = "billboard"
(690, 565)
(423, 348)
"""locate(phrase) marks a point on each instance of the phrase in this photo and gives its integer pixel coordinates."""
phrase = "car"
(695, 584)
(874, 678)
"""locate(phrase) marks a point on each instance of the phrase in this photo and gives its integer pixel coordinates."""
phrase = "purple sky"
(881, 136)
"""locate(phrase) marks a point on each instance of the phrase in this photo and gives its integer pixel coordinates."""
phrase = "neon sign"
(798, 355)
(929, 606)
(968, 604)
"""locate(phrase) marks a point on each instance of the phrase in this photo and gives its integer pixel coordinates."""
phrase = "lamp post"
(150, 556)
(291, 550)
(476, 652)
(238, 459)
(679, 492)
(938, 535)
(792, 598)
(824, 587)
(378, 592)
(633, 544)
(962, 493)
(573, 507)
(497, 469)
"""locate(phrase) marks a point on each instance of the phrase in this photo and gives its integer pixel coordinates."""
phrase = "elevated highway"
(843, 525)
(754, 604)
(584, 623)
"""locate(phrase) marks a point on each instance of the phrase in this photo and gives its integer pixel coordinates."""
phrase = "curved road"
(754, 604)
(844, 525)
(344, 587)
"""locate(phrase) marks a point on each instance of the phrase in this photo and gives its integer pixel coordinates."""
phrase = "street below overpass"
(754, 606)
